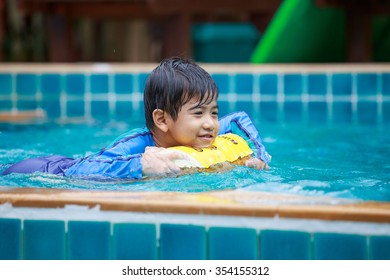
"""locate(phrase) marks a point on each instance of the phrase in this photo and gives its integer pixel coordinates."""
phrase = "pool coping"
(226, 202)
(210, 67)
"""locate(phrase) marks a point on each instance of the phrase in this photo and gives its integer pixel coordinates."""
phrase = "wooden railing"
(174, 16)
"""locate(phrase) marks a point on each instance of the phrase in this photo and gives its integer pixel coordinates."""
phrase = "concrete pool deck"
(231, 203)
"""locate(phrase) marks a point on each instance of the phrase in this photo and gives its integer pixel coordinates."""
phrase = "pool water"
(347, 161)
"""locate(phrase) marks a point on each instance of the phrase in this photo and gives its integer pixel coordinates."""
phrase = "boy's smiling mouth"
(208, 138)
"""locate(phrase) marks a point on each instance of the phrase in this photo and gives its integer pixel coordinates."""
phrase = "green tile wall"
(254, 92)
(336, 246)
(232, 243)
(134, 242)
(10, 239)
(182, 242)
(379, 248)
(44, 240)
(285, 245)
(93, 240)
(88, 240)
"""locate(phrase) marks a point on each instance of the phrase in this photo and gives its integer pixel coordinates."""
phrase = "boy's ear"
(160, 120)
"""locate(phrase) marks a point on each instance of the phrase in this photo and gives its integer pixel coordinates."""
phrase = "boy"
(180, 100)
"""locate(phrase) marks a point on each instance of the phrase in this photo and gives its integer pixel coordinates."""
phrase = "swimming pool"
(346, 161)
(325, 126)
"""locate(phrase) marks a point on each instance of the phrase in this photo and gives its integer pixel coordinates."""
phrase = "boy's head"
(174, 83)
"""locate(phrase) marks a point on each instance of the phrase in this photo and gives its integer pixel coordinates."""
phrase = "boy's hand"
(256, 163)
(160, 161)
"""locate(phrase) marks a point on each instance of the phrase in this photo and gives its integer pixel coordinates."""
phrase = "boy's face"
(195, 126)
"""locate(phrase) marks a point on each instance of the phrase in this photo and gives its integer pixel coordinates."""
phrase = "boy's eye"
(198, 113)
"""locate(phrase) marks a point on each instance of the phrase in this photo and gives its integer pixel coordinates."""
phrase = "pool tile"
(232, 243)
(142, 81)
(386, 112)
(367, 112)
(26, 104)
(223, 108)
(269, 111)
(5, 105)
(75, 84)
(182, 242)
(317, 112)
(26, 84)
(44, 240)
(52, 108)
(293, 112)
(335, 246)
(123, 83)
(135, 242)
(342, 84)
(5, 84)
(99, 83)
(268, 84)
(245, 106)
(342, 112)
(139, 115)
(10, 239)
(75, 108)
(379, 247)
(285, 245)
(366, 84)
(243, 83)
(88, 240)
(99, 109)
(317, 84)
(124, 110)
(386, 84)
(293, 83)
(51, 85)
(222, 82)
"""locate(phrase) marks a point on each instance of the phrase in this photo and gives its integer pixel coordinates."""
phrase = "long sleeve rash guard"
(122, 159)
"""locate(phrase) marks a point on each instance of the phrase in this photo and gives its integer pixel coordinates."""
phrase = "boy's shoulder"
(143, 132)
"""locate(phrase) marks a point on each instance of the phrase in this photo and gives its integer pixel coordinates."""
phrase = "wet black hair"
(173, 83)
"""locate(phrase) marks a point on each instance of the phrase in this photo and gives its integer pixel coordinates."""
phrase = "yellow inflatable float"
(225, 148)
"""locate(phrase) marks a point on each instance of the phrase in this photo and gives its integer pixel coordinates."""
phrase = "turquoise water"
(311, 160)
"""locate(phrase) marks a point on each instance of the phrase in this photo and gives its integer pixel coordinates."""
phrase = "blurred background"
(255, 31)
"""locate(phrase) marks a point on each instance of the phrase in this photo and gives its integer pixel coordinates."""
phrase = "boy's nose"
(208, 123)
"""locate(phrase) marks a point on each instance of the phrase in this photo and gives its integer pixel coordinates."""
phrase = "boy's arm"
(121, 159)
(241, 124)
(100, 167)
(130, 156)
(153, 162)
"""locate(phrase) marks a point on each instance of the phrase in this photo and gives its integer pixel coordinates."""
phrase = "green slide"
(303, 32)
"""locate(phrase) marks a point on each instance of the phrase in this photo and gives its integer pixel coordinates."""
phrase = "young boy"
(180, 100)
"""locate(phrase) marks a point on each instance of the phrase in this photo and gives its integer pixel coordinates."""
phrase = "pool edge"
(228, 203)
